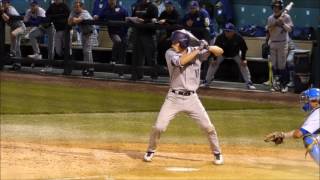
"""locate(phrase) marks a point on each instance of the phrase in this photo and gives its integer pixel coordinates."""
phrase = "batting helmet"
(312, 94)
(277, 3)
(180, 37)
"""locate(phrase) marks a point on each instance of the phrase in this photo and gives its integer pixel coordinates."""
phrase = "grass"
(19, 97)
(56, 112)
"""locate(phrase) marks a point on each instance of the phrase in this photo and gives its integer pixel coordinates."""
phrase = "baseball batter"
(279, 25)
(310, 129)
(184, 64)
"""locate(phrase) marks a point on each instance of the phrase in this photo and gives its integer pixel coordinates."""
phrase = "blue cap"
(168, 2)
(34, 2)
(194, 4)
(5, 1)
(229, 27)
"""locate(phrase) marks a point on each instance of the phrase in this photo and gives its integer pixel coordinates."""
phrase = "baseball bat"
(285, 11)
(287, 8)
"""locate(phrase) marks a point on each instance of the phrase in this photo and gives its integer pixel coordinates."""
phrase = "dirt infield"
(111, 161)
(146, 87)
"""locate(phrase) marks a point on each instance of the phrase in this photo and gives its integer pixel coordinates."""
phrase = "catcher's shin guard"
(312, 144)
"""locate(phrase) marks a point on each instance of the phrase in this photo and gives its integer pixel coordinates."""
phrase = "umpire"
(144, 40)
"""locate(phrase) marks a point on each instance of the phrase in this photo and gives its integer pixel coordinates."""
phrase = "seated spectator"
(54, 27)
(169, 16)
(34, 15)
(232, 43)
(33, 19)
(77, 16)
(118, 34)
(17, 29)
(197, 18)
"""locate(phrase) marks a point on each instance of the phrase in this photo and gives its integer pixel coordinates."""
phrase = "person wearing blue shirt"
(197, 18)
(118, 34)
(98, 7)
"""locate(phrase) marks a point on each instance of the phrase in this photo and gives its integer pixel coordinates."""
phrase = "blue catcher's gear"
(312, 145)
(180, 37)
(312, 94)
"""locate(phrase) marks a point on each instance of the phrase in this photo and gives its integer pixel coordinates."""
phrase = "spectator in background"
(232, 43)
(77, 16)
(98, 8)
(118, 34)
(197, 18)
(279, 26)
(34, 15)
(54, 27)
(17, 29)
(170, 16)
(59, 9)
(144, 40)
(161, 6)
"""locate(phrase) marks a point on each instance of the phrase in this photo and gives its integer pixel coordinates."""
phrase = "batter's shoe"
(218, 159)
(148, 156)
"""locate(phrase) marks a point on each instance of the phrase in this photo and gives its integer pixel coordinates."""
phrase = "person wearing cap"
(77, 16)
(17, 29)
(54, 26)
(144, 39)
(232, 44)
(34, 15)
(197, 18)
(170, 16)
(33, 19)
(184, 64)
(279, 26)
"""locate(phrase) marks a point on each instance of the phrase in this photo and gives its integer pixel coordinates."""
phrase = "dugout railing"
(69, 64)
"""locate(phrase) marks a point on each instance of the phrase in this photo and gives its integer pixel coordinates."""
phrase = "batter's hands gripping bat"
(194, 41)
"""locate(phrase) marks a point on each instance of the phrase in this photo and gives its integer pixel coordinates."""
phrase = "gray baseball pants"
(86, 40)
(15, 42)
(278, 54)
(39, 32)
(175, 103)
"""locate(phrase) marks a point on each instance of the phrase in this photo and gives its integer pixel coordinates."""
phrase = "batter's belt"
(182, 92)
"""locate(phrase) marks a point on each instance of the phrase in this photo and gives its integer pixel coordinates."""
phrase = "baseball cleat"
(35, 56)
(218, 159)
(148, 156)
(250, 86)
(284, 89)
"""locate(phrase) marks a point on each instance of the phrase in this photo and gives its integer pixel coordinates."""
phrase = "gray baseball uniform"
(86, 35)
(17, 29)
(182, 97)
(40, 32)
(278, 40)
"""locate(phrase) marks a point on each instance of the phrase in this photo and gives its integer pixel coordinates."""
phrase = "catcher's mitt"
(276, 137)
